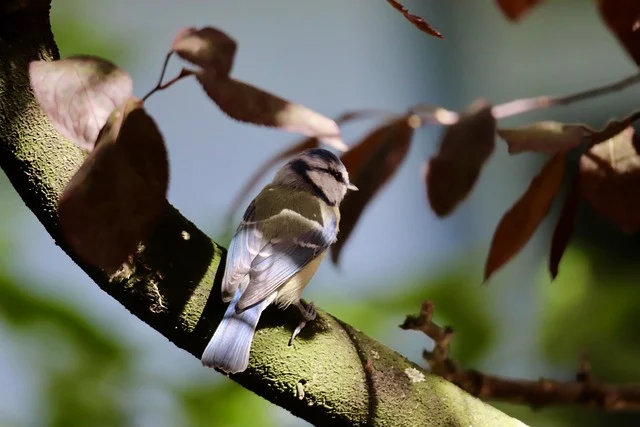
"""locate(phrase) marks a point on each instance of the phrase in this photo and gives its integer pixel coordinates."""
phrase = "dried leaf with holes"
(208, 48)
(543, 137)
(118, 194)
(516, 9)
(416, 20)
(564, 227)
(371, 164)
(520, 222)
(623, 19)
(610, 178)
(78, 94)
(249, 104)
(465, 148)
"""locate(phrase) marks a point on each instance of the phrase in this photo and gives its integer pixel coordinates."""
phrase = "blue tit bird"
(277, 248)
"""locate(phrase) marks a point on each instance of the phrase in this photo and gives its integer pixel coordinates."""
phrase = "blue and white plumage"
(275, 251)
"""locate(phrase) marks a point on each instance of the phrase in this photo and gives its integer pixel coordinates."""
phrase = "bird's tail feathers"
(229, 347)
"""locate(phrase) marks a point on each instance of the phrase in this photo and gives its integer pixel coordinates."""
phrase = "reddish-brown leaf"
(516, 9)
(610, 178)
(623, 19)
(117, 195)
(520, 222)
(207, 47)
(249, 104)
(416, 20)
(564, 227)
(544, 137)
(78, 94)
(465, 148)
(371, 164)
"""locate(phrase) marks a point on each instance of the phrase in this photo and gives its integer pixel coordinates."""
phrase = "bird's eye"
(337, 176)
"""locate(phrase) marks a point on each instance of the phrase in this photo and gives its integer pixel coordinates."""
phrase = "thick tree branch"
(333, 375)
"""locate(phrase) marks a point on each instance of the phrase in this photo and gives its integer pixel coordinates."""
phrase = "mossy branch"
(333, 374)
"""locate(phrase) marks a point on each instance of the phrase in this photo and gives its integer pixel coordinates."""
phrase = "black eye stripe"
(334, 173)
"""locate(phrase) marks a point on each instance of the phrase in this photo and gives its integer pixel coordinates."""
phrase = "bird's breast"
(290, 292)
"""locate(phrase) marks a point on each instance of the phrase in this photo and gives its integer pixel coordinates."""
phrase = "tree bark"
(332, 375)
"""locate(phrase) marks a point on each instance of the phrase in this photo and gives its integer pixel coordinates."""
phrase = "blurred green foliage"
(83, 366)
(75, 36)
(226, 403)
(597, 312)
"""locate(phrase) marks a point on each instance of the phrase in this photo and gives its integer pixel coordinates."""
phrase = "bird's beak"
(352, 187)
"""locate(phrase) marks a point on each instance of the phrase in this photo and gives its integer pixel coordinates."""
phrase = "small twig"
(416, 20)
(436, 115)
(164, 70)
(584, 390)
(160, 86)
(526, 105)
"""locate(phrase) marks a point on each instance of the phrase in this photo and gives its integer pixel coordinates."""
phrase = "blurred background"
(70, 355)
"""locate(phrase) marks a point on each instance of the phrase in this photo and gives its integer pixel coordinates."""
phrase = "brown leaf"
(465, 147)
(543, 137)
(249, 104)
(208, 48)
(520, 222)
(516, 9)
(623, 19)
(78, 94)
(371, 164)
(117, 195)
(610, 178)
(564, 227)
(417, 21)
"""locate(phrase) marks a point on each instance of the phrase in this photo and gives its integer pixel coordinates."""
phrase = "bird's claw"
(308, 314)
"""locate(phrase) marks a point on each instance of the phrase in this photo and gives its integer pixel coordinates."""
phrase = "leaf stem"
(164, 70)
(160, 86)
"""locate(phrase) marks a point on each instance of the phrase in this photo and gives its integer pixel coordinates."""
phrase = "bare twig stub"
(584, 390)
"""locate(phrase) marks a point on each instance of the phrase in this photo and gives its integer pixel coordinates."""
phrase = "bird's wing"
(285, 254)
(244, 247)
